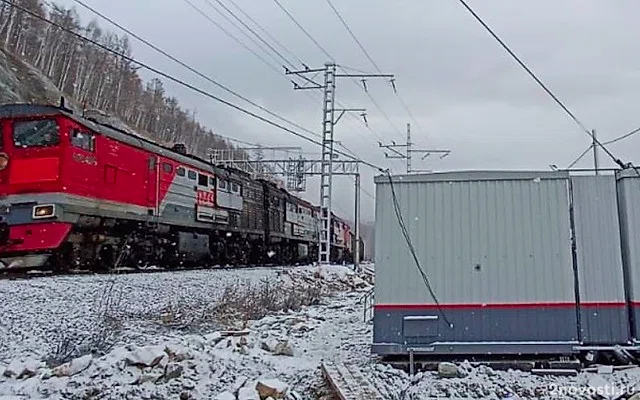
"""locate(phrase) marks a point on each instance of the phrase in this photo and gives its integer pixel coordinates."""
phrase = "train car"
(76, 193)
(506, 263)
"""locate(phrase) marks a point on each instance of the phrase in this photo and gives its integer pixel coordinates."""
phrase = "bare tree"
(98, 79)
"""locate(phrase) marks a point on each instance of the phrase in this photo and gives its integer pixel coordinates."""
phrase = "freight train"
(79, 194)
(509, 264)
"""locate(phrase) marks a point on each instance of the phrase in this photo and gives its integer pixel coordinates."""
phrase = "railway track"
(10, 273)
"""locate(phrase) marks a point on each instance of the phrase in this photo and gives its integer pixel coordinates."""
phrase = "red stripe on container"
(604, 304)
(496, 305)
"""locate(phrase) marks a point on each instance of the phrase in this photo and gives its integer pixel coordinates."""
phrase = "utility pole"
(328, 123)
(594, 144)
(409, 151)
(356, 244)
(408, 148)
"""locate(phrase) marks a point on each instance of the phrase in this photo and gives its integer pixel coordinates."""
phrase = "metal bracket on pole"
(409, 151)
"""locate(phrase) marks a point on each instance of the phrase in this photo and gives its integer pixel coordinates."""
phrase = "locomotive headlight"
(4, 161)
(45, 211)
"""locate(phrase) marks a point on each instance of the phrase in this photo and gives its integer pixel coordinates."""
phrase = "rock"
(271, 388)
(145, 356)
(73, 367)
(265, 346)
(301, 327)
(188, 384)
(22, 369)
(605, 369)
(197, 342)
(283, 349)
(247, 393)
(293, 321)
(448, 370)
(225, 396)
(144, 378)
(243, 350)
(178, 353)
(635, 397)
(172, 371)
(213, 338)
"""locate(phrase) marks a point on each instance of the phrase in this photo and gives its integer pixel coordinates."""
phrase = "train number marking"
(205, 198)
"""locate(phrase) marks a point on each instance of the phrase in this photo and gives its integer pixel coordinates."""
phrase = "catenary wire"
(245, 34)
(179, 81)
(539, 82)
(231, 35)
(375, 65)
(407, 237)
(619, 138)
(253, 52)
(185, 65)
(252, 31)
(292, 18)
(265, 31)
(299, 25)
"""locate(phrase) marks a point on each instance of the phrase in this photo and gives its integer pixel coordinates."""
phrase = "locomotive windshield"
(40, 133)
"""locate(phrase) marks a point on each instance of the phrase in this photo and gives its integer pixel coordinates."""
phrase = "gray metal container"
(498, 273)
(629, 203)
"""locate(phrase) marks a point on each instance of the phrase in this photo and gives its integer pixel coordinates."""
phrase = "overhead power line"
(201, 12)
(375, 103)
(231, 35)
(319, 46)
(619, 138)
(179, 81)
(185, 65)
(265, 31)
(247, 27)
(580, 157)
(633, 132)
(375, 65)
(540, 83)
(295, 21)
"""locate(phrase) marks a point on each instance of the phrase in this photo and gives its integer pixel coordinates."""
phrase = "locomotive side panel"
(252, 217)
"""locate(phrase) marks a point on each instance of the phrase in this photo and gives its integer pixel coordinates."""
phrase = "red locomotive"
(78, 194)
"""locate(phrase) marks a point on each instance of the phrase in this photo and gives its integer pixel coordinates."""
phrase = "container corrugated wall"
(629, 209)
(496, 248)
(603, 310)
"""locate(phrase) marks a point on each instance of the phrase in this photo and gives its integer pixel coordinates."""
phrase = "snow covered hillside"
(20, 82)
(225, 334)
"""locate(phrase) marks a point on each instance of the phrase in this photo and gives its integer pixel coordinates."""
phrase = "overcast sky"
(464, 91)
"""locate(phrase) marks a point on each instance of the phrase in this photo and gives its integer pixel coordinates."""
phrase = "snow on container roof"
(473, 176)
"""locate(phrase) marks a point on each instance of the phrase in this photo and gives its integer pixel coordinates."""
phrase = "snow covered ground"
(174, 340)
(166, 347)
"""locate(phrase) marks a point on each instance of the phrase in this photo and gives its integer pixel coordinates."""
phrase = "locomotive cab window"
(212, 181)
(83, 140)
(235, 188)
(203, 180)
(192, 175)
(222, 185)
(40, 133)
(168, 168)
(181, 171)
